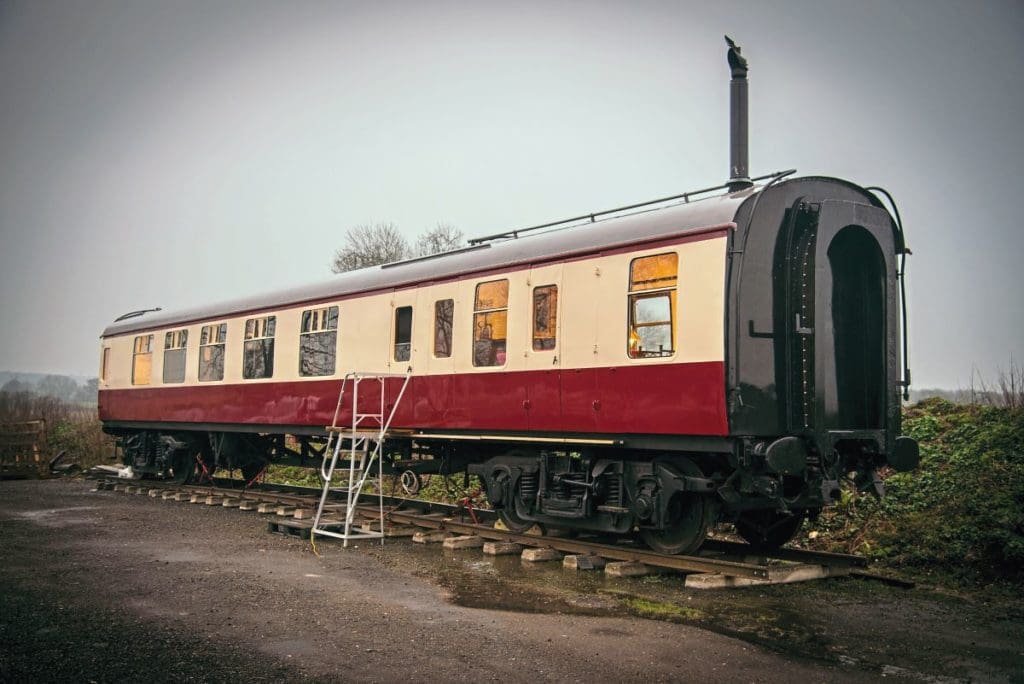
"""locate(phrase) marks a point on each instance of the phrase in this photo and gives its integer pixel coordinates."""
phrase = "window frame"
(218, 331)
(321, 321)
(450, 327)
(105, 364)
(552, 319)
(484, 312)
(175, 341)
(636, 293)
(259, 332)
(136, 353)
(395, 344)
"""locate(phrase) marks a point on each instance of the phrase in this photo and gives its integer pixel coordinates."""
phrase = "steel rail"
(427, 517)
(690, 563)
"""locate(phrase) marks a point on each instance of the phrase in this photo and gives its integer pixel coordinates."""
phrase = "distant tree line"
(59, 387)
(371, 245)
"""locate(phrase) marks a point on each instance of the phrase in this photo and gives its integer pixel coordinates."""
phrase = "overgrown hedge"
(961, 512)
(70, 427)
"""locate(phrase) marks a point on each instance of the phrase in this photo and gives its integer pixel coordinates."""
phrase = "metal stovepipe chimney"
(739, 174)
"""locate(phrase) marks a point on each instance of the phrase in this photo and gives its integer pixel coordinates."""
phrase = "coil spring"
(614, 497)
(528, 487)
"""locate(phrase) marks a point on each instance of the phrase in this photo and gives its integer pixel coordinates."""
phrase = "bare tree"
(444, 237)
(368, 245)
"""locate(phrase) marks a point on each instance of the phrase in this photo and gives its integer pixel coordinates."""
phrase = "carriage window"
(258, 350)
(318, 341)
(490, 323)
(652, 305)
(403, 333)
(444, 313)
(174, 355)
(142, 360)
(545, 317)
(211, 352)
(105, 364)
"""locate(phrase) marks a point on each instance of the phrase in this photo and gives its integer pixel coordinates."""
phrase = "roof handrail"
(134, 314)
(592, 216)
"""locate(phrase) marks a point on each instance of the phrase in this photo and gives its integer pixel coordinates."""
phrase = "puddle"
(467, 578)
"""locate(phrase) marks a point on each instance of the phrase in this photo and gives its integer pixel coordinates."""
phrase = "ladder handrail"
(361, 444)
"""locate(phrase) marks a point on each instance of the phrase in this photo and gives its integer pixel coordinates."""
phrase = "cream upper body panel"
(591, 331)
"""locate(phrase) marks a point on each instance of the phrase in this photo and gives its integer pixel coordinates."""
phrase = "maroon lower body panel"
(668, 399)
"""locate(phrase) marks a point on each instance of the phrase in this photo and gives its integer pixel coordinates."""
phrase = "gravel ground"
(102, 586)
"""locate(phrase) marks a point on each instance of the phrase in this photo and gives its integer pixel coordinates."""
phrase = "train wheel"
(183, 467)
(513, 523)
(689, 517)
(768, 530)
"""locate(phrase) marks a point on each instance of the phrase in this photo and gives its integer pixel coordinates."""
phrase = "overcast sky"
(176, 153)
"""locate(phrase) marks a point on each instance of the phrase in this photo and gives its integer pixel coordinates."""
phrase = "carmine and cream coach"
(732, 354)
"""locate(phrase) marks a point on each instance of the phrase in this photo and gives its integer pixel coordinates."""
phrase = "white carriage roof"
(652, 224)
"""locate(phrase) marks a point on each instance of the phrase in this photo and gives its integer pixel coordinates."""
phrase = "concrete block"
(542, 555)
(430, 536)
(231, 503)
(168, 495)
(154, 493)
(267, 507)
(468, 542)
(213, 500)
(120, 487)
(627, 569)
(181, 496)
(586, 562)
(304, 514)
(493, 548)
(288, 511)
(249, 505)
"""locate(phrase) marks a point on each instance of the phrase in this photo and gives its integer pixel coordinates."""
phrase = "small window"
(652, 305)
(403, 333)
(545, 317)
(211, 352)
(444, 314)
(318, 341)
(490, 323)
(105, 364)
(142, 360)
(174, 355)
(258, 349)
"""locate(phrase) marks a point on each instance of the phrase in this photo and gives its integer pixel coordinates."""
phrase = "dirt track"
(102, 586)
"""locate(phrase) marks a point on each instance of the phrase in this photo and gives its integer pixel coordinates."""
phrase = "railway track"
(720, 563)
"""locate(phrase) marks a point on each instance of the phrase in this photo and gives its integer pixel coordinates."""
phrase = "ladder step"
(351, 535)
(363, 456)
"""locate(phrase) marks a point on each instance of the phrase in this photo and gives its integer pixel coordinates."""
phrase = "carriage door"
(855, 306)
(402, 351)
(543, 350)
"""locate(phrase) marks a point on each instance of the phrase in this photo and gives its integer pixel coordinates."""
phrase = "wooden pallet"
(301, 528)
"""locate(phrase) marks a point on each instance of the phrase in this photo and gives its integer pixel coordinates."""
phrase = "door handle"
(800, 329)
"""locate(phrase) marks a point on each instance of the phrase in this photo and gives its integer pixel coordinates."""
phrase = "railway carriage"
(655, 369)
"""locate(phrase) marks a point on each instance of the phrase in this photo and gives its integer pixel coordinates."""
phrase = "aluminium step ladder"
(365, 451)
